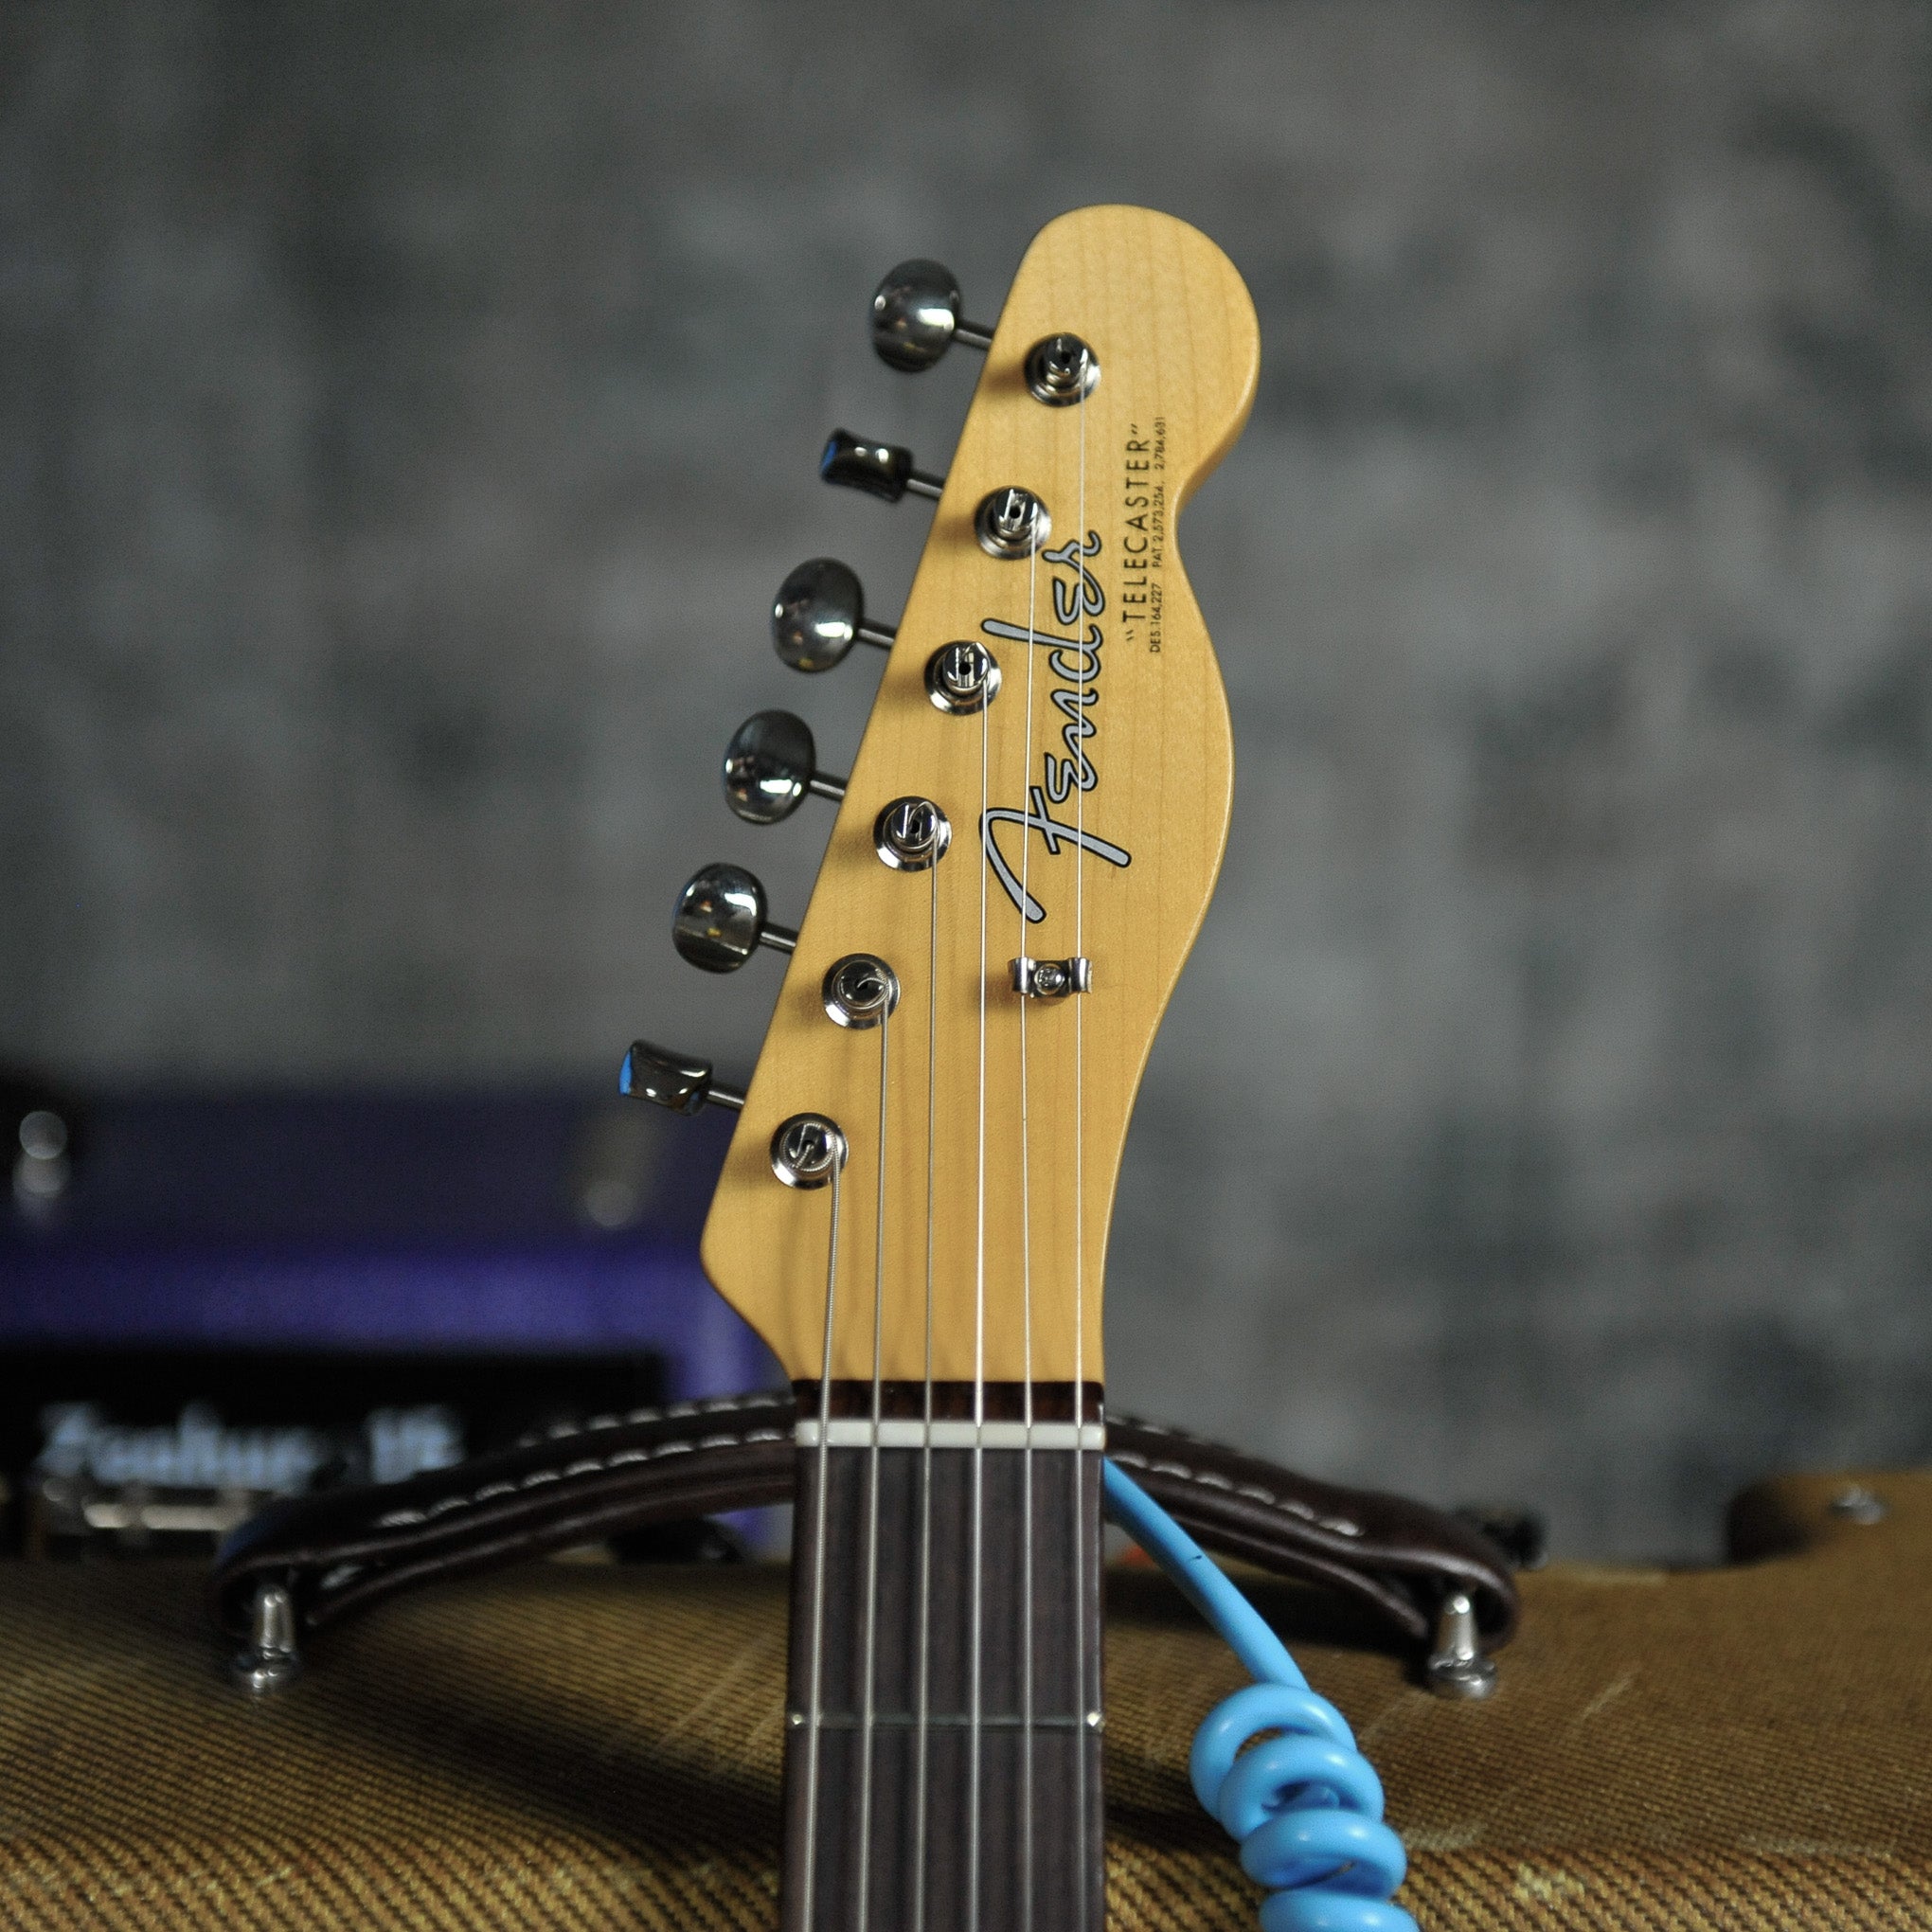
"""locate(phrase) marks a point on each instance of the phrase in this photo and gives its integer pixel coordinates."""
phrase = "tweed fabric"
(570, 1746)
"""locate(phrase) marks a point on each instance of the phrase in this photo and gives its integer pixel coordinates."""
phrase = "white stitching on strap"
(745, 1438)
(1338, 1525)
(705, 1406)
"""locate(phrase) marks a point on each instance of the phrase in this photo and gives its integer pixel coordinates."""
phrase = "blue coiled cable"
(1306, 1806)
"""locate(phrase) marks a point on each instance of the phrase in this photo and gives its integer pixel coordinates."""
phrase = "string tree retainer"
(1051, 978)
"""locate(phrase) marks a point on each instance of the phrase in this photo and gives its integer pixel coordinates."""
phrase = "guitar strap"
(338, 1552)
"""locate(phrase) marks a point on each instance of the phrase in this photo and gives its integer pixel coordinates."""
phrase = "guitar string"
(868, 1706)
(1080, 1645)
(979, 1606)
(816, 1720)
(1026, 1733)
(922, 1739)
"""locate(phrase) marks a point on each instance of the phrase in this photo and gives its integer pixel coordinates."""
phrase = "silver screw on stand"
(1457, 1667)
(271, 1659)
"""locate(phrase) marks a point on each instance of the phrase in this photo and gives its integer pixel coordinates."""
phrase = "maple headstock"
(1085, 808)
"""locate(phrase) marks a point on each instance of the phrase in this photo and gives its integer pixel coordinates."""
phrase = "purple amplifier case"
(208, 1299)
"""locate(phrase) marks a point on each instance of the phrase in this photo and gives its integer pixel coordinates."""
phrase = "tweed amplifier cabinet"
(568, 1746)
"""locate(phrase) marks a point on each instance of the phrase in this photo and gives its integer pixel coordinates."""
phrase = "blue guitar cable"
(1306, 1806)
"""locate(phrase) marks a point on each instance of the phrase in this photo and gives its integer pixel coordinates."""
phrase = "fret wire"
(909, 1720)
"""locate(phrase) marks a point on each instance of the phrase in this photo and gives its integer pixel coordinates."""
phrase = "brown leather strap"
(344, 1549)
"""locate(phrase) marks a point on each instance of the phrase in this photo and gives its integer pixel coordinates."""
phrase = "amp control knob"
(916, 317)
(819, 613)
(720, 921)
(770, 765)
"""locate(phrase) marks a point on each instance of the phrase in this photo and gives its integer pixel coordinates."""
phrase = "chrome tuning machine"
(911, 834)
(1062, 369)
(916, 317)
(880, 469)
(1012, 521)
(678, 1081)
(770, 765)
(963, 677)
(720, 921)
(807, 1149)
(819, 613)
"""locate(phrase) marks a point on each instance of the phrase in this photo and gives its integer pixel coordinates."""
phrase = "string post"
(861, 991)
(807, 1149)
(1062, 369)
(962, 678)
(911, 834)
(1011, 522)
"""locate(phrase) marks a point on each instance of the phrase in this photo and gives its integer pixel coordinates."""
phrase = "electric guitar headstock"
(1024, 849)
(914, 1209)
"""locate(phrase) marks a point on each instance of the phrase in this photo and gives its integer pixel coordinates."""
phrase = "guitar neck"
(942, 1760)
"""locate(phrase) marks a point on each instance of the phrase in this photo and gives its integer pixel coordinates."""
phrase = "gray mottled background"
(406, 412)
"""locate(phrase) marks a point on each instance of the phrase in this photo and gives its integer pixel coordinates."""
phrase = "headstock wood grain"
(1099, 780)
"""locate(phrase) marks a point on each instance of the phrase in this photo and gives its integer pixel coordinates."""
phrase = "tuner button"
(770, 766)
(819, 613)
(916, 317)
(678, 1081)
(880, 469)
(720, 921)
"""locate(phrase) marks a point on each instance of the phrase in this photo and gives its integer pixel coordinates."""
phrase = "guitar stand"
(1435, 1584)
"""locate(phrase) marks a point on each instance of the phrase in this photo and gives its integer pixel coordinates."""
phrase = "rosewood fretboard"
(942, 1772)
